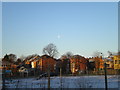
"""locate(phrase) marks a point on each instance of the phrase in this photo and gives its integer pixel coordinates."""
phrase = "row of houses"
(75, 64)
(112, 62)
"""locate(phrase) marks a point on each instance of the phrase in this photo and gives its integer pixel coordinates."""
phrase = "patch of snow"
(65, 82)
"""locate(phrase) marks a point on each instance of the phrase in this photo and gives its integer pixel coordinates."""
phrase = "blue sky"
(81, 28)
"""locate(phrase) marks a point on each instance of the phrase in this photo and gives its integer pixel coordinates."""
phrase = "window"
(115, 61)
(107, 65)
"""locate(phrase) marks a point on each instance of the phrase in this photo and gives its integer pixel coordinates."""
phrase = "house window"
(107, 65)
(115, 61)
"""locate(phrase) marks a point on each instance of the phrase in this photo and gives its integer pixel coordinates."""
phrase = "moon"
(58, 36)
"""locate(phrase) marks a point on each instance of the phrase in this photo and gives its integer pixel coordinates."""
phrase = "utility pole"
(61, 78)
(49, 79)
(106, 88)
(105, 72)
(48, 75)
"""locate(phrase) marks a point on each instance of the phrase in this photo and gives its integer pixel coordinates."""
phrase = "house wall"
(111, 64)
(116, 61)
(46, 63)
(78, 64)
(34, 64)
(99, 63)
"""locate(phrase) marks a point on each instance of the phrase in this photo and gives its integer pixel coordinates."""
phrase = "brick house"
(78, 64)
(46, 63)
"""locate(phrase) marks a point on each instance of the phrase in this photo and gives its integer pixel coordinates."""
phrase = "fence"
(64, 82)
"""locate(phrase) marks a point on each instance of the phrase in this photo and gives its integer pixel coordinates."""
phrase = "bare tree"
(110, 53)
(68, 54)
(50, 50)
(12, 57)
(97, 54)
(22, 57)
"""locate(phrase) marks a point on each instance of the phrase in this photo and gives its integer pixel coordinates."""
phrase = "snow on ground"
(65, 82)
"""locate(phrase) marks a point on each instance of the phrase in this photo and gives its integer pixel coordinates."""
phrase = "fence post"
(61, 78)
(106, 88)
(3, 79)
